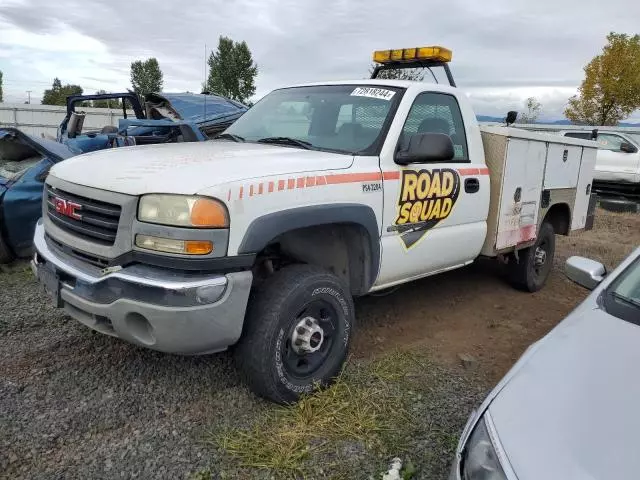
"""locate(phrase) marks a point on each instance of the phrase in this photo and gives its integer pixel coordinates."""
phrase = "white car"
(618, 163)
(568, 409)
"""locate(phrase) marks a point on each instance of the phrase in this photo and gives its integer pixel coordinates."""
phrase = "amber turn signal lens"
(209, 213)
(198, 247)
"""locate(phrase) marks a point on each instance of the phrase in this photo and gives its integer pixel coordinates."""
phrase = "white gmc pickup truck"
(319, 193)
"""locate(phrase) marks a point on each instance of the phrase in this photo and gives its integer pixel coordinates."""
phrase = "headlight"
(480, 459)
(183, 211)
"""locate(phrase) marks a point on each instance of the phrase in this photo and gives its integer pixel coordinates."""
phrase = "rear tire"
(296, 334)
(534, 264)
(6, 255)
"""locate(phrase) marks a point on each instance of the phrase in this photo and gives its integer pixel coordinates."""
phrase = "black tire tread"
(264, 303)
(6, 255)
(519, 274)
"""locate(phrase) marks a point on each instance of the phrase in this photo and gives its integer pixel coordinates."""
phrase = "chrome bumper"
(153, 307)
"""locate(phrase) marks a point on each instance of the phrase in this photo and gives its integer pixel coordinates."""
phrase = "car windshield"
(623, 296)
(338, 118)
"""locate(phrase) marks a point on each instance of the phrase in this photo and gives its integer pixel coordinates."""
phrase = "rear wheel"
(297, 333)
(6, 255)
(534, 264)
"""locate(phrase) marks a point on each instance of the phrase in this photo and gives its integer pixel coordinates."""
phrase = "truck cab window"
(437, 113)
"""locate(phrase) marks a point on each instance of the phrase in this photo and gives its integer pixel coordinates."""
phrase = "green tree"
(0, 86)
(533, 107)
(58, 93)
(108, 103)
(610, 91)
(146, 76)
(411, 74)
(232, 71)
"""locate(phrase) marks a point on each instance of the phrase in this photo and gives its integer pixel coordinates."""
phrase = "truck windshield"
(337, 118)
(623, 296)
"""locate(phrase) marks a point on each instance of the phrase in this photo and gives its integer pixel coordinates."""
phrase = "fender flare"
(263, 230)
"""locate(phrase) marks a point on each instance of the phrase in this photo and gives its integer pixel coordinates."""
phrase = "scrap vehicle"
(25, 159)
(617, 171)
(567, 408)
(164, 118)
(319, 193)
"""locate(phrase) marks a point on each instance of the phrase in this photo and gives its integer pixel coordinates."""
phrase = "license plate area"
(51, 283)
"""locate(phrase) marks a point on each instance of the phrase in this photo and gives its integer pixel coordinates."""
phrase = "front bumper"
(171, 312)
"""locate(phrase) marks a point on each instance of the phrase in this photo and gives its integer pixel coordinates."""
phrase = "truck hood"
(571, 411)
(189, 168)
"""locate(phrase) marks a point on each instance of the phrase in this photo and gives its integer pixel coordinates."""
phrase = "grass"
(363, 415)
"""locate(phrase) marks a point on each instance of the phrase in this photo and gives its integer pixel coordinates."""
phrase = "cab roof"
(434, 87)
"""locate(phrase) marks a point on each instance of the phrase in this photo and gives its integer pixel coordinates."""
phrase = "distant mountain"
(564, 121)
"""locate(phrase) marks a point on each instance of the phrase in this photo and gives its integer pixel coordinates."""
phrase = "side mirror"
(585, 272)
(512, 116)
(426, 147)
(627, 148)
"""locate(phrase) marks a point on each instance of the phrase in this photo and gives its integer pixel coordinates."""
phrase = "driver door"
(434, 213)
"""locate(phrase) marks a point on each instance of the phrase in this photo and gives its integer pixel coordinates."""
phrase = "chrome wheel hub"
(540, 257)
(307, 337)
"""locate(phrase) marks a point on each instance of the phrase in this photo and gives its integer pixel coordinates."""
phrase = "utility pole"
(29, 93)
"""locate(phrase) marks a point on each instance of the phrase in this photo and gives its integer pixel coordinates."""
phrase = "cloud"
(503, 51)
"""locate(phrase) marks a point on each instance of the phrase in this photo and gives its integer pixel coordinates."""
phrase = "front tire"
(297, 333)
(6, 255)
(534, 264)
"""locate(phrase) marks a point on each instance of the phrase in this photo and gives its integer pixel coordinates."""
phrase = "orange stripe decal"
(321, 181)
(484, 171)
(251, 190)
(300, 182)
(241, 191)
(468, 171)
(391, 175)
(260, 187)
(291, 183)
(311, 181)
(353, 177)
(280, 185)
(270, 187)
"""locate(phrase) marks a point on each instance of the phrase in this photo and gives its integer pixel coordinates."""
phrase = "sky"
(503, 51)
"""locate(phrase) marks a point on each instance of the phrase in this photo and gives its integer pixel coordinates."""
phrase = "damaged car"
(25, 160)
(163, 118)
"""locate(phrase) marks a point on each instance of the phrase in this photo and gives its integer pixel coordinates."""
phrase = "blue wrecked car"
(25, 160)
(164, 118)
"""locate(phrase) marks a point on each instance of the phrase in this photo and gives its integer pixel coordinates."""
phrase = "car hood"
(189, 168)
(571, 410)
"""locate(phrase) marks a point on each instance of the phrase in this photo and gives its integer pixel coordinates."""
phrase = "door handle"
(471, 185)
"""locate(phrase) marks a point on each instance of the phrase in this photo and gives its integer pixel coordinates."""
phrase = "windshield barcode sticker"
(372, 92)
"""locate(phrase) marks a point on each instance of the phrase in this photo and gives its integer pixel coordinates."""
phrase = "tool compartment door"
(583, 190)
(563, 166)
(521, 192)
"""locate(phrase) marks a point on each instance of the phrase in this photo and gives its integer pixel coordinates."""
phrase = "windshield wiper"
(287, 141)
(626, 299)
(229, 136)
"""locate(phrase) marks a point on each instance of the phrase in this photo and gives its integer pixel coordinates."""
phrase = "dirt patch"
(475, 311)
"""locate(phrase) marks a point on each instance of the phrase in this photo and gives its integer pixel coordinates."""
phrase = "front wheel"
(6, 255)
(297, 333)
(534, 264)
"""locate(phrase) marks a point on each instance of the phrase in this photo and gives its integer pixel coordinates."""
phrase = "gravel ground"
(78, 404)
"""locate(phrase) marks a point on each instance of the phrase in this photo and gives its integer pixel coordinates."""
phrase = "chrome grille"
(96, 221)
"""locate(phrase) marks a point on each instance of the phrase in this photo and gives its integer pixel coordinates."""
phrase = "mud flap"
(591, 212)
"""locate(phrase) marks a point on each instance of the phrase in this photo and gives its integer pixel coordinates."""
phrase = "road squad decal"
(426, 198)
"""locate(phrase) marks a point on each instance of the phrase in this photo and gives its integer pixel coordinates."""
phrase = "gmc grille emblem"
(67, 208)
